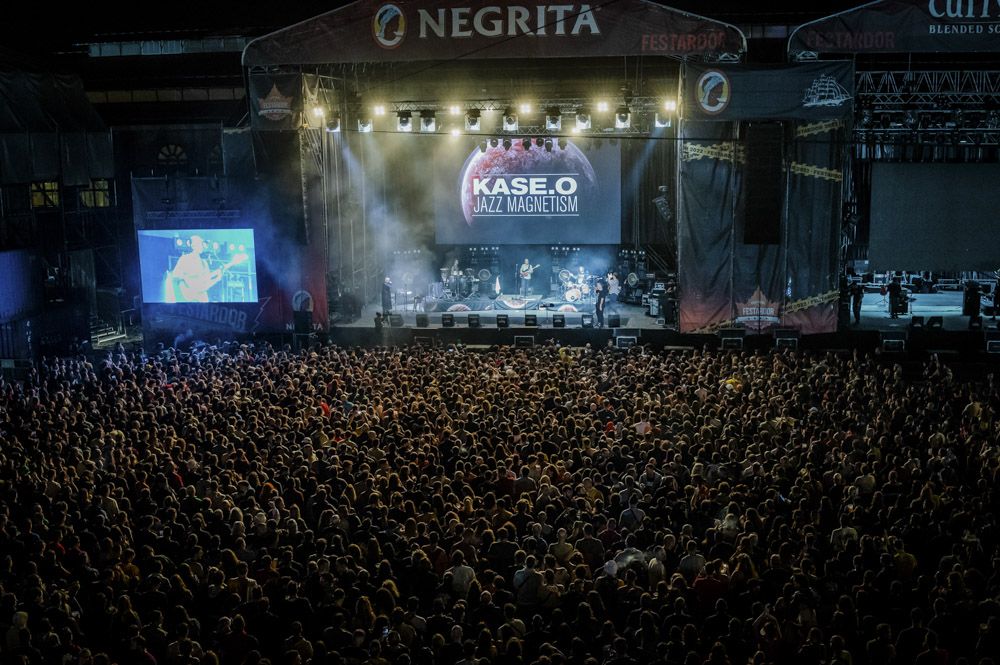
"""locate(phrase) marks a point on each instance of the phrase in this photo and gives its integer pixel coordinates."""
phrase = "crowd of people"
(552, 506)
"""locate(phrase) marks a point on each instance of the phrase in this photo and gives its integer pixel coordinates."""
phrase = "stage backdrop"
(734, 268)
(289, 270)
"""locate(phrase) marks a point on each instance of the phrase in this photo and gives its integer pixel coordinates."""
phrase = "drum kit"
(462, 284)
(578, 287)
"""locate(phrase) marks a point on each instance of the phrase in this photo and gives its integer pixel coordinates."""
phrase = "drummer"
(581, 276)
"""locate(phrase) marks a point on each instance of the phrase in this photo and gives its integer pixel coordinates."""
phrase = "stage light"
(428, 123)
(553, 119)
(456, 132)
(582, 120)
(494, 143)
(472, 121)
(454, 109)
(180, 243)
(548, 145)
(623, 118)
(602, 107)
(524, 108)
(318, 111)
(379, 109)
(670, 105)
(215, 246)
(482, 146)
(510, 123)
(243, 248)
(507, 144)
(365, 126)
(526, 144)
(661, 121)
(232, 247)
(563, 143)
(403, 121)
(333, 125)
(539, 141)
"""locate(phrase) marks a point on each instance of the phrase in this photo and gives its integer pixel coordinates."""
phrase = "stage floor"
(631, 316)
(947, 305)
(874, 314)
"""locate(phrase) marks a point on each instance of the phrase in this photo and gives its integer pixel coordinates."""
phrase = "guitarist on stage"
(193, 276)
(524, 272)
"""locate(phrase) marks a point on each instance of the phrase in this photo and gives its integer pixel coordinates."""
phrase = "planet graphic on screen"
(499, 162)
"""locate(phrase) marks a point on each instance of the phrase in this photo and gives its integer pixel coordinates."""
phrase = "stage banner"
(904, 26)
(708, 193)
(413, 30)
(275, 101)
(814, 176)
(809, 91)
(727, 281)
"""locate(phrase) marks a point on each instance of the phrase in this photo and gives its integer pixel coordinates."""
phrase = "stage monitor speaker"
(762, 183)
(474, 321)
(531, 320)
(731, 339)
(614, 321)
(423, 320)
(916, 323)
(503, 321)
(448, 320)
(975, 323)
(935, 323)
(524, 341)
(395, 320)
(625, 342)
(992, 341)
(892, 341)
(787, 338)
(558, 320)
(587, 321)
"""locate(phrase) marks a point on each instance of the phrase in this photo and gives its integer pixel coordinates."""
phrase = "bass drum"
(572, 295)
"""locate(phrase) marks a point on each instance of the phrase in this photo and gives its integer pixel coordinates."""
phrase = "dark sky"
(82, 22)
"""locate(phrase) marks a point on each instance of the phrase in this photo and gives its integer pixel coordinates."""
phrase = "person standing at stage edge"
(601, 294)
(386, 297)
(857, 295)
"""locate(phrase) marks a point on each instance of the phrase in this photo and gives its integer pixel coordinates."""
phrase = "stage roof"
(414, 30)
(903, 26)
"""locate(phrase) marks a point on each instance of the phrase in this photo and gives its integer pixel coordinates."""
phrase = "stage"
(545, 311)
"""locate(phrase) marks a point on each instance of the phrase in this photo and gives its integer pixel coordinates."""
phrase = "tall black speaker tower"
(763, 183)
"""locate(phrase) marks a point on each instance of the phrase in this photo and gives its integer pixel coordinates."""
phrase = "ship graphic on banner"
(825, 91)
(758, 312)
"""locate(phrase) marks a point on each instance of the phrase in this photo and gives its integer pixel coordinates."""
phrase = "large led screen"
(198, 265)
(524, 191)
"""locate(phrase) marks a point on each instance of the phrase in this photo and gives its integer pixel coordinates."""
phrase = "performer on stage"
(614, 287)
(525, 272)
(601, 295)
(386, 296)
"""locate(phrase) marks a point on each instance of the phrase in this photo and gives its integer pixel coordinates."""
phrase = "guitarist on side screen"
(193, 276)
